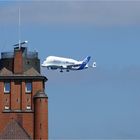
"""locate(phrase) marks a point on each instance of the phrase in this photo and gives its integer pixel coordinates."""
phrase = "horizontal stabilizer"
(94, 65)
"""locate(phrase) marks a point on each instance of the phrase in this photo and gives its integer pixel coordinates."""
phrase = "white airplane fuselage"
(54, 62)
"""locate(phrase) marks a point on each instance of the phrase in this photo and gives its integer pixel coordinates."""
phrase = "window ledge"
(6, 92)
(18, 111)
(28, 92)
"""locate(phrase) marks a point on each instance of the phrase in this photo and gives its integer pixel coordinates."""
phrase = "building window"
(28, 62)
(7, 87)
(28, 87)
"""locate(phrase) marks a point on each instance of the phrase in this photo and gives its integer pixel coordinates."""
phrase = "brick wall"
(18, 99)
(36, 86)
(1, 95)
(41, 118)
(15, 95)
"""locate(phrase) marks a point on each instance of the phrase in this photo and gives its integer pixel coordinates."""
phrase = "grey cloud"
(99, 13)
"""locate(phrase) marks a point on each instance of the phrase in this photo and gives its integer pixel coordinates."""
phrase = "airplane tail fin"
(84, 62)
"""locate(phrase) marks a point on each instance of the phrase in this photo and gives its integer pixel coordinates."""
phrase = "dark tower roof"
(20, 64)
(14, 131)
(20, 60)
(40, 94)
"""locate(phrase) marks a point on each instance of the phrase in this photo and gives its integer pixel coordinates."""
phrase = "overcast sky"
(97, 13)
(95, 103)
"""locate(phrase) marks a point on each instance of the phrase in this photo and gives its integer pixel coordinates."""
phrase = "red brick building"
(23, 102)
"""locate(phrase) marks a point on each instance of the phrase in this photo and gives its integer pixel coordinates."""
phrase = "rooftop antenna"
(19, 32)
(19, 44)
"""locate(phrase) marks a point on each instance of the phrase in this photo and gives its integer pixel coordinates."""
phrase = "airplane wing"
(74, 65)
(65, 66)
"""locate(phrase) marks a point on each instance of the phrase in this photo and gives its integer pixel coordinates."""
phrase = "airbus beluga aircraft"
(54, 62)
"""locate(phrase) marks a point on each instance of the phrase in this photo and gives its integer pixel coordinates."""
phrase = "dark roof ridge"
(5, 71)
(32, 71)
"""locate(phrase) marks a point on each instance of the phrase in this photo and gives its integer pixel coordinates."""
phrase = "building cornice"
(23, 77)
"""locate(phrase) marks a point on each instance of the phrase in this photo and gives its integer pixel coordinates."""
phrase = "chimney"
(18, 60)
